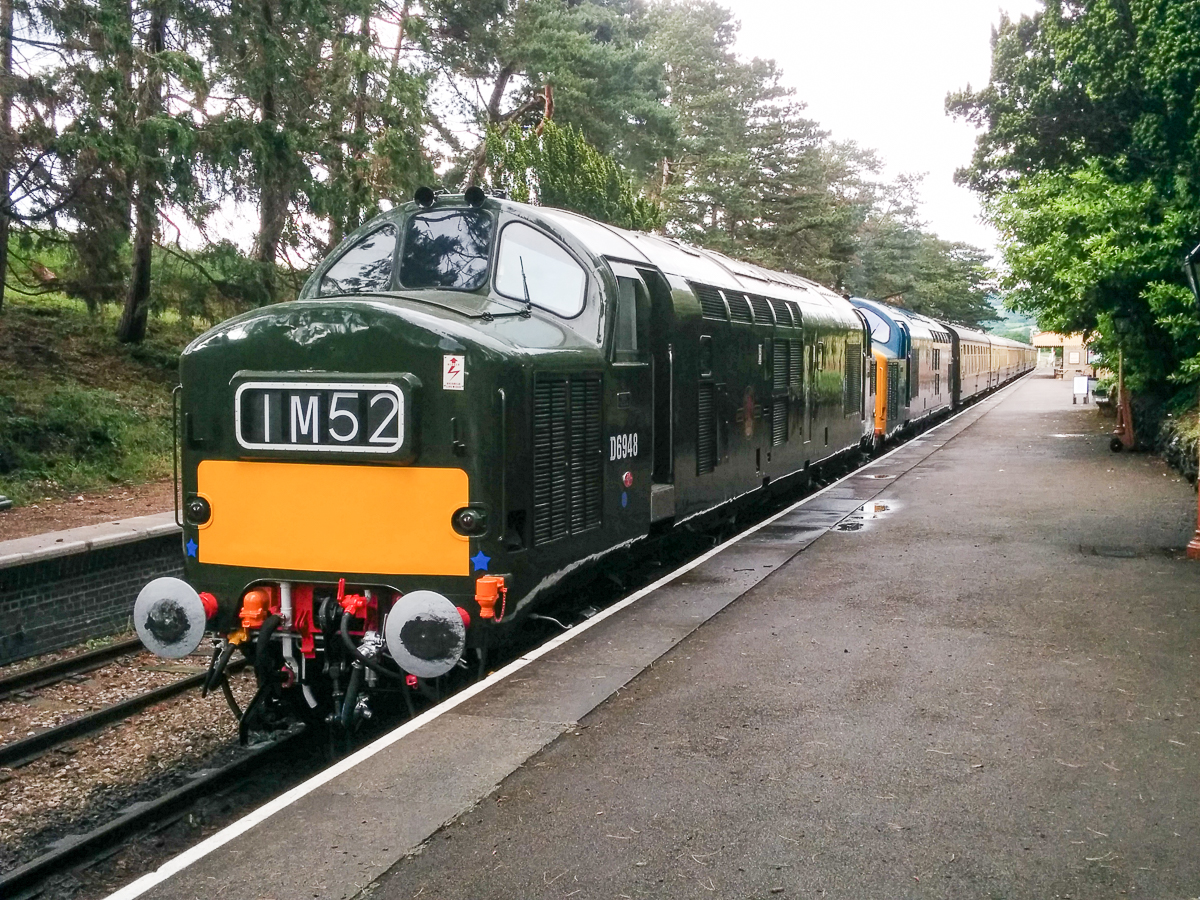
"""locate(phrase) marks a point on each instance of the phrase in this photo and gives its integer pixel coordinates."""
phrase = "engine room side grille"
(893, 388)
(795, 363)
(711, 304)
(779, 366)
(567, 457)
(739, 307)
(779, 423)
(852, 401)
(762, 310)
(706, 439)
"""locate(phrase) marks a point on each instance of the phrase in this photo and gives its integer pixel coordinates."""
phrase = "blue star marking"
(480, 561)
(192, 548)
(624, 499)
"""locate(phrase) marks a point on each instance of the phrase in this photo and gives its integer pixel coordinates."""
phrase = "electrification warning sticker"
(454, 373)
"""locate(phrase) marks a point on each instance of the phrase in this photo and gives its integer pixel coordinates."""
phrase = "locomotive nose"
(425, 634)
(170, 617)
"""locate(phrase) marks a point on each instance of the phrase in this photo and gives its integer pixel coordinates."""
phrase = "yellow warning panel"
(318, 517)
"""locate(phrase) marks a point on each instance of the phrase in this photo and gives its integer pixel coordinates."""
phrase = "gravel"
(87, 782)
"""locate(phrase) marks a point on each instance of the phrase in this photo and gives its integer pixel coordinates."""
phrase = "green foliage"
(496, 58)
(79, 410)
(559, 168)
(1089, 168)
(895, 258)
(751, 176)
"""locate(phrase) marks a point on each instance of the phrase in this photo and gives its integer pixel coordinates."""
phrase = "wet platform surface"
(967, 671)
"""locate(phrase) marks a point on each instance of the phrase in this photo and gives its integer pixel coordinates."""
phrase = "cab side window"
(532, 268)
(367, 266)
(631, 338)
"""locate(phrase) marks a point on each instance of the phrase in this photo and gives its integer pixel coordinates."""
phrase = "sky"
(877, 72)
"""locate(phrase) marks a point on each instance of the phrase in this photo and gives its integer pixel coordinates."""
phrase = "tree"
(750, 175)
(556, 166)
(896, 257)
(1088, 167)
(6, 132)
(591, 54)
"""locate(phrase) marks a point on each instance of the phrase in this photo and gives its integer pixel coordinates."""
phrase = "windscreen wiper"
(528, 311)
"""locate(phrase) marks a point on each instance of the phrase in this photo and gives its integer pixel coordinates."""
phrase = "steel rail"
(27, 749)
(77, 850)
(52, 673)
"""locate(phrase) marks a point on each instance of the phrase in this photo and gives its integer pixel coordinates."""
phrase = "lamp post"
(1192, 267)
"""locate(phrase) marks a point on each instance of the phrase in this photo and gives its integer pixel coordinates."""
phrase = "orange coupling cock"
(256, 605)
(488, 590)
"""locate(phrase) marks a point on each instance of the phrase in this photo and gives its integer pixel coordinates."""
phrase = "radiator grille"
(762, 310)
(739, 308)
(706, 439)
(852, 401)
(783, 315)
(779, 423)
(711, 304)
(567, 457)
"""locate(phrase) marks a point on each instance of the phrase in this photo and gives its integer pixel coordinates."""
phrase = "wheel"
(1116, 445)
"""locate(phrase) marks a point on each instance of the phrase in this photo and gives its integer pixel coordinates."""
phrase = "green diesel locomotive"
(472, 399)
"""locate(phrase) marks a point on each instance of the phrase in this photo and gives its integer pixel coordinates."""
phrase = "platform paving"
(986, 686)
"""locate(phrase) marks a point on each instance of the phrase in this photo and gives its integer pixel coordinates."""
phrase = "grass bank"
(80, 411)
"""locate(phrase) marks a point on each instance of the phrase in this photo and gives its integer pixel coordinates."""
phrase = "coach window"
(367, 266)
(532, 268)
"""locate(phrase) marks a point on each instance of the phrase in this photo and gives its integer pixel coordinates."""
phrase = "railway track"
(24, 751)
(80, 850)
(62, 669)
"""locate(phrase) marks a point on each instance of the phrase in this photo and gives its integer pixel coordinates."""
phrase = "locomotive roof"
(674, 257)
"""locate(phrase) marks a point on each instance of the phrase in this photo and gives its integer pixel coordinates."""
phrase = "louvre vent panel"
(893, 389)
(779, 422)
(853, 399)
(567, 461)
(739, 307)
(711, 304)
(795, 363)
(762, 310)
(779, 366)
(783, 315)
(797, 318)
(706, 439)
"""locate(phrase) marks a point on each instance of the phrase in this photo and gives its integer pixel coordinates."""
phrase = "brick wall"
(55, 603)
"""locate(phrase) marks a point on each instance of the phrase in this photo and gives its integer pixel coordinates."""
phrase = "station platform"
(967, 670)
